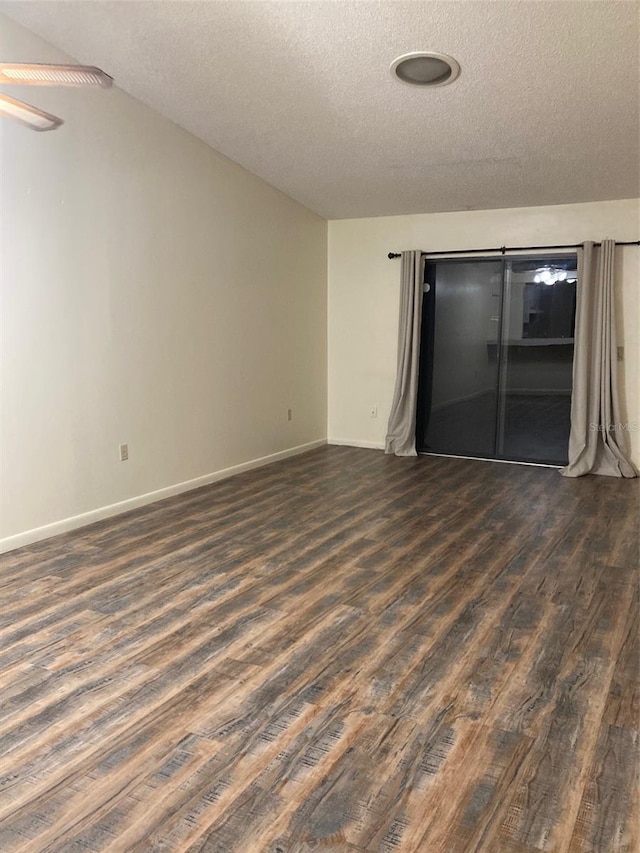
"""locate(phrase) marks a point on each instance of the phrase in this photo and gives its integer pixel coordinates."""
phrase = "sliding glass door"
(496, 358)
(459, 357)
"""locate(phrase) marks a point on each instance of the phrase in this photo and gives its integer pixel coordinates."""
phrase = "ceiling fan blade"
(31, 116)
(40, 74)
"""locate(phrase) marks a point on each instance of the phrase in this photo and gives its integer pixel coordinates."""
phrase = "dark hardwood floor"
(340, 652)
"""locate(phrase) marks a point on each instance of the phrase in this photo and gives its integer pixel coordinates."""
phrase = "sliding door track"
(492, 459)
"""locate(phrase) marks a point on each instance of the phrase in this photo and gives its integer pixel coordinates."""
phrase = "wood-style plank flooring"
(341, 652)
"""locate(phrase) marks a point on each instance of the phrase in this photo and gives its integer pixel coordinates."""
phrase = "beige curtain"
(598, 439)
(401, 430)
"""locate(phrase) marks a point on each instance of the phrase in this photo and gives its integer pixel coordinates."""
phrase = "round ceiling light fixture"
(425, 68)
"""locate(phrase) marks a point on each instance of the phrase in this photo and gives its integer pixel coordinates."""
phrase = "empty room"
(320, 426)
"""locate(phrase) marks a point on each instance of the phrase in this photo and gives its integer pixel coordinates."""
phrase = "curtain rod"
(502, 249)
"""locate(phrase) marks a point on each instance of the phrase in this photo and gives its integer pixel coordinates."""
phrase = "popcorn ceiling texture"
(544, 112)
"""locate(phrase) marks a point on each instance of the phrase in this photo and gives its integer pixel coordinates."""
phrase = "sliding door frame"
(502, 347)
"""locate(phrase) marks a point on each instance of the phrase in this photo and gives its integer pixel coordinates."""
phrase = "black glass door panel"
(496, 358)
(461, 311)
(537, 359)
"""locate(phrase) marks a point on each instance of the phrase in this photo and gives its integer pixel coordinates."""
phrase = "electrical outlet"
(289, 414)
(124, 452)
(373, 412)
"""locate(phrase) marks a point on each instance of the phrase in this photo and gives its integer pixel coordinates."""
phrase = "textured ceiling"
(544, 112)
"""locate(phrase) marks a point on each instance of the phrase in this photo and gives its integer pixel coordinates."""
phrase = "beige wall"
(154, 293)
(363, 296)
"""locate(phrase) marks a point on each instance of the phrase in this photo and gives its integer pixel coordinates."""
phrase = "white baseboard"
(351, 442)
(9, 543)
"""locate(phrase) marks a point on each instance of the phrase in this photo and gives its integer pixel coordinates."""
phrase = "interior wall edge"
(28, 537)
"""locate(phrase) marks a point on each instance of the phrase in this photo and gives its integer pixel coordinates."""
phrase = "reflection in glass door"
(496, 358)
